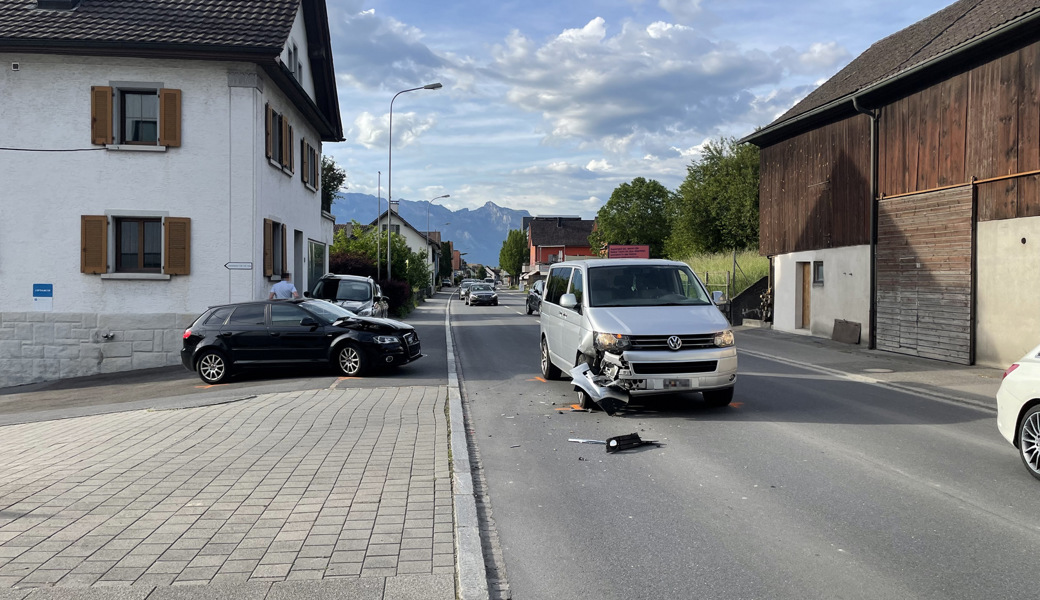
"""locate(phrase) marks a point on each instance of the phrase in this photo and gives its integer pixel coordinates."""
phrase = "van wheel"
(718, 397)
(584, 399)
(549, 370)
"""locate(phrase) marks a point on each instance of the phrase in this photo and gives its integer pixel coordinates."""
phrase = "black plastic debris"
(627, 442)
(618, 443)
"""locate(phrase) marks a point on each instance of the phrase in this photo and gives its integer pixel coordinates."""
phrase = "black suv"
(293, 332)
(361, 295)
(534, 297)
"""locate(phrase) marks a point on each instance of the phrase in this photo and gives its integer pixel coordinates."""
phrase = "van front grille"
(660, 342)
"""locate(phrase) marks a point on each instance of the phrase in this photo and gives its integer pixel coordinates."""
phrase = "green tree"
(716, 208)
(637, 213)
(444, 272)
(332, 178)
(514, 253)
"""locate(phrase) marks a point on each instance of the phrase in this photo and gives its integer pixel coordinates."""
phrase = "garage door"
(924, 275)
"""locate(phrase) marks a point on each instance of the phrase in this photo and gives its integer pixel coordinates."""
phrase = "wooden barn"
(903, 194)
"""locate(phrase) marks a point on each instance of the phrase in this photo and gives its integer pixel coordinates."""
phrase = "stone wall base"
(45, 346)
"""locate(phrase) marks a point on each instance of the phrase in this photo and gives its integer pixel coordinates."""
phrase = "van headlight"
(611, 342)
(724, 339)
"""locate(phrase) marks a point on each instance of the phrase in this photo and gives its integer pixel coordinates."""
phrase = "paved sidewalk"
(967, 384)
(331, 493)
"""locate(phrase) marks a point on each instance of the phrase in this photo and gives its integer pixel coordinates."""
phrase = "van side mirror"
(568, 300)
(718, 296)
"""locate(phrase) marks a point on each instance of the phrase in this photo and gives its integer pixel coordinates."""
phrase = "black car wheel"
(529, 311)
(549, 370)
(350, 360)
(718, 397)
(1029, 441)
(212, 367)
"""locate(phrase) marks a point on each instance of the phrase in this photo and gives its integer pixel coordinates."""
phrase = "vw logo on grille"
(674, 342)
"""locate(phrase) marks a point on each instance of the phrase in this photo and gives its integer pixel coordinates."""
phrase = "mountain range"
(478, 233)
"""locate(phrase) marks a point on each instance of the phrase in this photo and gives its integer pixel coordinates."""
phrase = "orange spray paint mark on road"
(538, 379)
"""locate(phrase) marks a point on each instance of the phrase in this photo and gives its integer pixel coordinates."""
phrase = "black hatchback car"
(293, 332)
(534, 297)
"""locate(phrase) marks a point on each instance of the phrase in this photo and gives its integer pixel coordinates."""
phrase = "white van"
(632, 327)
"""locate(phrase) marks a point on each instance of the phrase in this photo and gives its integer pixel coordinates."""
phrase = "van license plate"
(676, 383)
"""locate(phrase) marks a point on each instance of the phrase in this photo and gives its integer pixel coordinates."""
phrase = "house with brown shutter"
(160, 156)
(903, 194)
(551, 239)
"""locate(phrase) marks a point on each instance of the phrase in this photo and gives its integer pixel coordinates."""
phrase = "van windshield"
(342, 289)
(645, 285)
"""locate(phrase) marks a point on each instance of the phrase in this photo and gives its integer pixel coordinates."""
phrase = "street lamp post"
(379, 213)
(390, 168)
(429, 255)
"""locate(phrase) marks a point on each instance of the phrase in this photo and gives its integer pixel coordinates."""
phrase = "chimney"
(57, 4)
(559, 222)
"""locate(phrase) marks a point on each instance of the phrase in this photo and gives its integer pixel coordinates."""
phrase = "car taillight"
(1009, 370)
(187, 334)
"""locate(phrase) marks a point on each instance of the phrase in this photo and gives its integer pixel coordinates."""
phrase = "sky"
(549, 105)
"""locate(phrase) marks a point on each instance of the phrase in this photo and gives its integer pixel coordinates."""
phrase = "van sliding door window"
(557, 285)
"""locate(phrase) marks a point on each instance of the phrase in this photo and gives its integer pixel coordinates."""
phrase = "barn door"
(925, 267)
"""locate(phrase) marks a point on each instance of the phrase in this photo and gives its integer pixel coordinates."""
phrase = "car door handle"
(274, 333)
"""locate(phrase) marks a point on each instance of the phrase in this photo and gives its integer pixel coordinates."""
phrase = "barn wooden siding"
(924, 275)
(982, 124)
(814, 189)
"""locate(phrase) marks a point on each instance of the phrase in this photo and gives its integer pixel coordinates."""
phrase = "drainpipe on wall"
(873, 114)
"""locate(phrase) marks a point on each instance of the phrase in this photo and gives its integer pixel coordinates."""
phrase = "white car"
(1018, 409)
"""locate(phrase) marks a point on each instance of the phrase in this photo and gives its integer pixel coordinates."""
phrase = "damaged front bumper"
(649, 372)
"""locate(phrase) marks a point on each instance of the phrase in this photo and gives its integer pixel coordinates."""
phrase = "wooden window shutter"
(100, 114)
(268, 122)
(177, 245)
(169, 117)
(285, 253)
(268, 247)
(304, 174)
(285, 142)
(93, 244)
(292, 150)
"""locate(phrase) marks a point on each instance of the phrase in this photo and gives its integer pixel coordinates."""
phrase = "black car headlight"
(386, 340)
(724, 339)
(611, 342)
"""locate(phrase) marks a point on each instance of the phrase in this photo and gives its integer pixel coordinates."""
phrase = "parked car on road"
(1018, 409)
(642, 326)
(299, 332)
(534, 296)
(360, 295)
(482, 293)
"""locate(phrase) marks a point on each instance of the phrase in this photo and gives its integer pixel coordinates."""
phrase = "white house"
(417, 241)
(159, 157)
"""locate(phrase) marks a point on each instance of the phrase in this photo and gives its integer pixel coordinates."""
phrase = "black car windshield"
(326, 311)
(480, 287)
(342, 289)
(645, 285)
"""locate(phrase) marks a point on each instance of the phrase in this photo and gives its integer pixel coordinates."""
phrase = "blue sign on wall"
(43, 290)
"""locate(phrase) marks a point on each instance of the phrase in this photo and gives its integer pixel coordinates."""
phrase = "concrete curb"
(469, 564)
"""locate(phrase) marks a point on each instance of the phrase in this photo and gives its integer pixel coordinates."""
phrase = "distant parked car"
(481, 293)
(534, 296)
(295, 332)
(445, 283)
(1018, 409)
(359, 295)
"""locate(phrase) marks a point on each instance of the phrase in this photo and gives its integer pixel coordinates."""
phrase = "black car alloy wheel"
(212, 367)
(350, 360)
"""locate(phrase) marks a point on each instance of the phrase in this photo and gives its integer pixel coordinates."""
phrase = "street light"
(390, 168)
(429, 255)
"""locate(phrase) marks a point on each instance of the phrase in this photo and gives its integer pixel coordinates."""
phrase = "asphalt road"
(170, 387)
(808, 486)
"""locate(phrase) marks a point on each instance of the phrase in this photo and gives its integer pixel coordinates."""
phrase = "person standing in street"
(284, 289)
